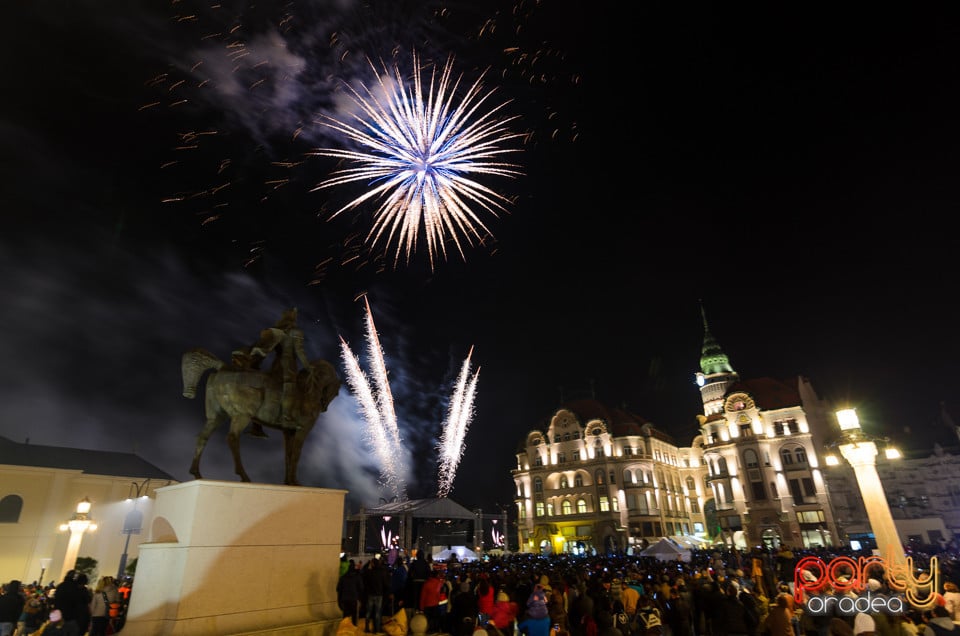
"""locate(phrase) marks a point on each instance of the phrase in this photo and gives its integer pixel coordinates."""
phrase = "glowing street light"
(78, 524)
(860, 451)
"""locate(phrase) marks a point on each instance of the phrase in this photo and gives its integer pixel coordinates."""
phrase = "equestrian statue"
(283, 397)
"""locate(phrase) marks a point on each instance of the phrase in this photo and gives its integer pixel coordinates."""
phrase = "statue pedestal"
(235, 557)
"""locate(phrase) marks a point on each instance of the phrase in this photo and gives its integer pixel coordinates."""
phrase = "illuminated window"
(567, 508)
(581, 506)
(604, 504)
(599, 477)
(549, 509)
(539, 509)
(563, 482)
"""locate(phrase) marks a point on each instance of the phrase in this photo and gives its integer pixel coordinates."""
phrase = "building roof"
(93, 462)
(769, 394)
(619, 422)
(442, 508)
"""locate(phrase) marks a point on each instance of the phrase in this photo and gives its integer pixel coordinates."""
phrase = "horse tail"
(193, 365)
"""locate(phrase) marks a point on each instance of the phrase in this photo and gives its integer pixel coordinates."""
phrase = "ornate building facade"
(600, 479)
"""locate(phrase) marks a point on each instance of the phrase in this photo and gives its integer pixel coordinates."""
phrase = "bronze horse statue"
(242, 395)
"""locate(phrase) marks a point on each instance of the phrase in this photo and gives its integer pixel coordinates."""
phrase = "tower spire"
(712, 358)
(716, 374)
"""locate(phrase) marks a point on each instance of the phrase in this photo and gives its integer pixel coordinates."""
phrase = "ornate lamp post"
(78, 524)
(133, 522)
(860, 451)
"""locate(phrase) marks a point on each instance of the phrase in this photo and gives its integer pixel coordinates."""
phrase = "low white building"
(40, 487)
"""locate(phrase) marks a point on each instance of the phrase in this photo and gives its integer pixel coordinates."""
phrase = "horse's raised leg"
(237, 426)
(213, 421)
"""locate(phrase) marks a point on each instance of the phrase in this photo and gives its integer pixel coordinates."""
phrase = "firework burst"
(421, 145)
(458, 420)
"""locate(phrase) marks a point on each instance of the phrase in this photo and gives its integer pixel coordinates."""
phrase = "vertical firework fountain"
(382, 432)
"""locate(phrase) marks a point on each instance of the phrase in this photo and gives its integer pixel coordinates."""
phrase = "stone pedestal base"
(233, 557)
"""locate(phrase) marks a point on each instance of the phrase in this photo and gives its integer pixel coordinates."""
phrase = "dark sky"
(794, 169)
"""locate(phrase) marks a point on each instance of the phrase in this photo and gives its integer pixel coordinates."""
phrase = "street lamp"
(78, 524)
(860, 451)
(133, 522)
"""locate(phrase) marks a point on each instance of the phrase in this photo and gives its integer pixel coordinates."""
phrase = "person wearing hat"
(864, 625)
(11, 606)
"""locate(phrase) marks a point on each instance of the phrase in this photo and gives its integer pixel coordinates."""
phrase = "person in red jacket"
(430, 598)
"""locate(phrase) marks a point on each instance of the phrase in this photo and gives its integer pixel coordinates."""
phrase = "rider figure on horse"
(285, 340)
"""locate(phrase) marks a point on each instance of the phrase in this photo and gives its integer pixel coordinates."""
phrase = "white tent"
(667, 550)
(462, 553)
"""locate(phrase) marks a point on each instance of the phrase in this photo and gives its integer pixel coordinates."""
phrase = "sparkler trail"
(377, 408)
(421, 149)
(455, 428)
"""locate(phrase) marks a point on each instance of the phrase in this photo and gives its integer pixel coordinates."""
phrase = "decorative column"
(861, 453)
(79, 523)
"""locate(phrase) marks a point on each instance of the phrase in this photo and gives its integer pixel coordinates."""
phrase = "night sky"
(794, 170)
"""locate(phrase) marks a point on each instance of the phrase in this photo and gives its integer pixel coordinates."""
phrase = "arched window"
(722, 465)
(563, 482)
(600, 478)
(578, 480)
(537, 484)
(567, 508)
(581, 506)
(786, 456)
(539, 509)
(549, 509)
(750, 458)
(800, 455)
(10, 507)
(628, 477)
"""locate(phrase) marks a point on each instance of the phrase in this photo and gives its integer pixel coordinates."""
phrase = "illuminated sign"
(848, 575)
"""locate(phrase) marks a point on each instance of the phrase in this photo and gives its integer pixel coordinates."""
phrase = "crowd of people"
(716, 593)
(70, 608)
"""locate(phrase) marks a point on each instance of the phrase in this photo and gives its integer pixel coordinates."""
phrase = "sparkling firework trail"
(377, 408)
(421, 149)
(454, 433)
